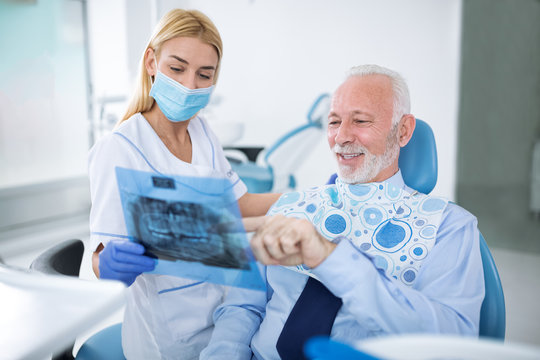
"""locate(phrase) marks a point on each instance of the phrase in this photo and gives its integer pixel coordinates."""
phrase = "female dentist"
(165, 317)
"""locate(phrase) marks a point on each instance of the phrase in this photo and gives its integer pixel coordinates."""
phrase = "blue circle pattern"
(372, 216)
(360, 190)
(428, 232)
(390, 234)
(392, 192)
(409, 276)
(335, 224)
(431, 205)
(418, 251)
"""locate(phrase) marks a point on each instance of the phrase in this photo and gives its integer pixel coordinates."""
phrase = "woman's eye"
(175, 69)
(204, 76)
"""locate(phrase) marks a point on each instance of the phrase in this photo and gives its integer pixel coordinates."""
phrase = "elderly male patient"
(365, 257)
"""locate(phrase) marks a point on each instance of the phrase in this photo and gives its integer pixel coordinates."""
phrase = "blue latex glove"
(124, 261)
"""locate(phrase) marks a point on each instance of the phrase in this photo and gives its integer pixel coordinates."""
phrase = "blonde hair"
(176, 23)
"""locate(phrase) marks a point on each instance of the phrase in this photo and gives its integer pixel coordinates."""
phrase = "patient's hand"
(280, 240)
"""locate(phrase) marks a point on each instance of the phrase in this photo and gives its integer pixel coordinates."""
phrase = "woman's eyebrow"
(179, 59)
(209, 67)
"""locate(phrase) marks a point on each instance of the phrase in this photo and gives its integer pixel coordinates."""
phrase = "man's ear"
(150, 61)
(406, 129)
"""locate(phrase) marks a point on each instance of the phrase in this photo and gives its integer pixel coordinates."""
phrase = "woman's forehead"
(191, 49)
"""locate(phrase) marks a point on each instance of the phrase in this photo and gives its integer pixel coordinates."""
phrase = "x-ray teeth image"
(188, 231)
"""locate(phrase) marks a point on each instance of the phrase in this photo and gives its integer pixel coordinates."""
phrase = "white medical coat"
(166, 317)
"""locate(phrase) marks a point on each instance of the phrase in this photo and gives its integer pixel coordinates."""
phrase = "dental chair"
(62, 259)
(272, 169)
(418, 164)
(65, 259)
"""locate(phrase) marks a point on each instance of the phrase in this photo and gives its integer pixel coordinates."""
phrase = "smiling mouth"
(349, 156)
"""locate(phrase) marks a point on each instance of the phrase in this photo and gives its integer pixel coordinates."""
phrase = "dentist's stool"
(103, 345)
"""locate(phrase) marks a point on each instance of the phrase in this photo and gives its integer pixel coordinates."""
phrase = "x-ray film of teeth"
(191, 225)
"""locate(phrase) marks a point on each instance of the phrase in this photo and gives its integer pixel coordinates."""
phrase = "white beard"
(372, 164)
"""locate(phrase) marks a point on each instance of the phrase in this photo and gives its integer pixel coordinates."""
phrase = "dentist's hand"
(280, 240)
(124, 261)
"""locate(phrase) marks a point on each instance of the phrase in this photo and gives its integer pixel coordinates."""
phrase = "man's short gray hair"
(402, 101)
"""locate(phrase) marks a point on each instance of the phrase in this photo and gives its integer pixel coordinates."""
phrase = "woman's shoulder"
(118, 139)
(134, 122)
(130, 131)
(105, 148)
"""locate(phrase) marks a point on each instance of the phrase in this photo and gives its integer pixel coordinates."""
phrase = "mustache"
(349, 149)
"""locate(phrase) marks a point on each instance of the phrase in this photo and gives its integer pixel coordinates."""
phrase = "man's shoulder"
(457, 216)
(458, 210)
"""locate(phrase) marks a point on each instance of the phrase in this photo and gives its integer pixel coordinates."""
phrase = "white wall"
(280, 55)
(43, 115)
(43, 107)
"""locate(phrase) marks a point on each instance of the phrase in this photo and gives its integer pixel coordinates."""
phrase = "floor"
(519, 272)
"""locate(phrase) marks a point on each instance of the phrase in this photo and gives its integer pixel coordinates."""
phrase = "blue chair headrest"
(417, 160)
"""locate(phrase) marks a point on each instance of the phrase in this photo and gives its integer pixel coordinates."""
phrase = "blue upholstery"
(258, 179)
(419, 157)
(103, 345)
(492, 313)
(322, 348)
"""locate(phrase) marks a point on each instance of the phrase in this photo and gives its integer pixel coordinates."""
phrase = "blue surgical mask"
(177, 102)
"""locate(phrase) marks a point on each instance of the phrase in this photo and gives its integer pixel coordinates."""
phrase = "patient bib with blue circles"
(395, 228)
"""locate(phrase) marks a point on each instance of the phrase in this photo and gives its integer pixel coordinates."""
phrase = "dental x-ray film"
(192, 225)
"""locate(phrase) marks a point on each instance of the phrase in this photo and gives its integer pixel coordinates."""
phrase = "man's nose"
(344, 134)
